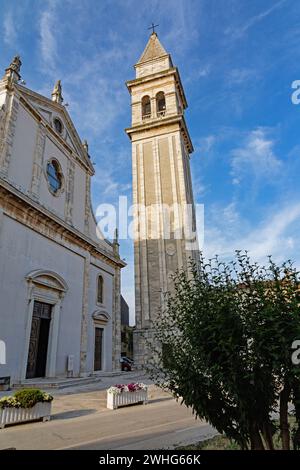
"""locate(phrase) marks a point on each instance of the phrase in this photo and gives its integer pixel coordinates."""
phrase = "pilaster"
(38, 161)
(84, 318)
(7, 138)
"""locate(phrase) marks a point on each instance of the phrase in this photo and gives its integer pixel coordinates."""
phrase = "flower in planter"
(132, 387)
(143, 386)
(9, 402)
(26, 398)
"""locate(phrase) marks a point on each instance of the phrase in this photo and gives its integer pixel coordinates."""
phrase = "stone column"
(1, 223)
(116, 330)
(70, 192)
(84, 318)
(87, 211)
(27, 335)
(8, 132)
(54, 330)
(38, 161)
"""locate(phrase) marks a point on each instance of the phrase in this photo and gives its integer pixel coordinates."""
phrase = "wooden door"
(98, 348)
(38, 343)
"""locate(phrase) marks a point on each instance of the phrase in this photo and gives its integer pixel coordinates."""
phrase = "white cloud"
(238, 32)
(239, 76)
(107, 184)
(276, 235)
(207, 143)
(48, 43)
(197, 73)
(255, 158)
(9, 29)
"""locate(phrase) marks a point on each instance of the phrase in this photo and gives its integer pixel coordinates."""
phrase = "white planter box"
(114, 401)
(20, 415)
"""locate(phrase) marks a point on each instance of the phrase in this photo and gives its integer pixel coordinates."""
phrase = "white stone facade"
(49, 251)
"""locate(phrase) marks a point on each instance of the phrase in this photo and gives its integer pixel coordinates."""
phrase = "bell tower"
(165, 227)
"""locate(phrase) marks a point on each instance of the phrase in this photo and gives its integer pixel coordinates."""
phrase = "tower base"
(145, 348)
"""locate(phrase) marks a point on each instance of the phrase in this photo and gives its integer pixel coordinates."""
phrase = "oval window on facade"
(54, 176)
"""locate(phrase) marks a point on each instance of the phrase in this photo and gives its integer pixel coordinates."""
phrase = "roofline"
(154, 59)
(60, 108)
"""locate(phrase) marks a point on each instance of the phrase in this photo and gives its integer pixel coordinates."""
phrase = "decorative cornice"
(29, 209)
(163, 121)
(40, 276)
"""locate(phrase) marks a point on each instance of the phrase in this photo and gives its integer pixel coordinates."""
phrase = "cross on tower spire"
(153, 26)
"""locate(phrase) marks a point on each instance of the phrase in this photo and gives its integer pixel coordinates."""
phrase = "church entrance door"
(98, 348)
(39, 338)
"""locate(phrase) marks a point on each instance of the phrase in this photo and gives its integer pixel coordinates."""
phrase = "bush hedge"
(25, 398)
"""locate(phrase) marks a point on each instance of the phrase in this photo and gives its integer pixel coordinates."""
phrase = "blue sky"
(237, 60)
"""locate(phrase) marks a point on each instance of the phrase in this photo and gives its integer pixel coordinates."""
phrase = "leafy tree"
(224, 347)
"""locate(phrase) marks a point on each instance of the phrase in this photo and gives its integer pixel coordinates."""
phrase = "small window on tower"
(160, 104)
(58, 125)
(146, 107)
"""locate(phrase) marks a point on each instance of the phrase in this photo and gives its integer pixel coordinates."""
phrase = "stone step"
(56, 383)
(59, 383)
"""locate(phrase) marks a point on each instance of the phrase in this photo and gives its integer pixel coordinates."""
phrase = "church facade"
(60, 282)
(165, 223)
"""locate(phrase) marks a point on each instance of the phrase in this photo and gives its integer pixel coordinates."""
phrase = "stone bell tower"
(165, 228)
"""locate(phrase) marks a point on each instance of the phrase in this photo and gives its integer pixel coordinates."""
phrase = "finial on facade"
(12, 72)
(85, 145)
(116, 242)
(57, 93)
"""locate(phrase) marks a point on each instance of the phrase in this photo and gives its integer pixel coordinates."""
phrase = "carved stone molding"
(47, 279)
(84, 316)
(87, 212)
(6, 143)
(3, 119)
(38, 161)
(100, 316)
(70, 192)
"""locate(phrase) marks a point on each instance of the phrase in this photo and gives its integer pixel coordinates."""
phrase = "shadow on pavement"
(72, 414)
(157, 400)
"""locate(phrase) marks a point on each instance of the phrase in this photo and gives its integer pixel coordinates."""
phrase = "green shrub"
(31, 396)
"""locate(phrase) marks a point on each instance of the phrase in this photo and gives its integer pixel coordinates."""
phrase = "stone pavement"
(81, 420)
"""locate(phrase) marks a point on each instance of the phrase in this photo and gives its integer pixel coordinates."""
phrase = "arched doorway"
(46, 292)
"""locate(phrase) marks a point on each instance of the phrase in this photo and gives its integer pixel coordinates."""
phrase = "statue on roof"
(12, 73)
(57, 93)
(16, 64)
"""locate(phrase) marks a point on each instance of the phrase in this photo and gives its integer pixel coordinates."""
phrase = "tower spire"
(153, 50)
(57, 93)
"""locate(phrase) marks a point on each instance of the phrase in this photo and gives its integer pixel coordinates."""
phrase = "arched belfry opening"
(146, 107)
(160, 103)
